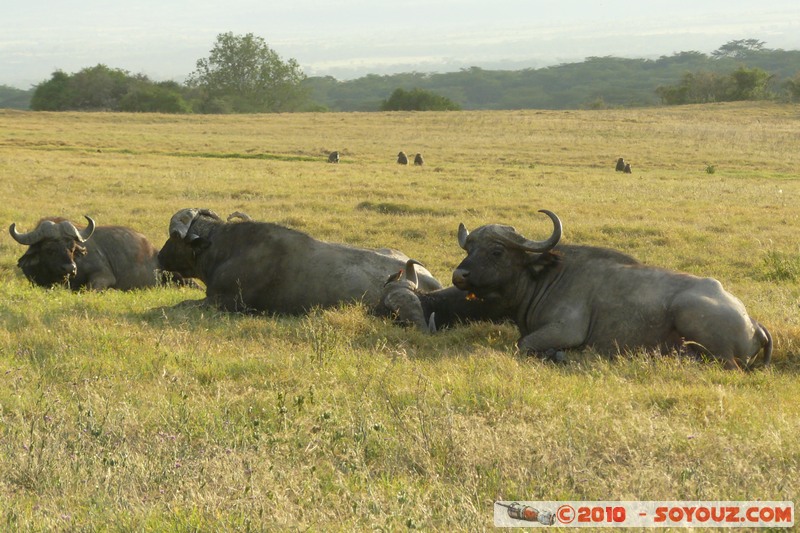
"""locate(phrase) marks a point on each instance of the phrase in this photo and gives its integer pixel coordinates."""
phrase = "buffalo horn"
(550, 242)
(45, 229)
(67, 229)
(410, 273)
(239, 215)
(181, 221)
(432, 323)
(87, 231)
(511, 238)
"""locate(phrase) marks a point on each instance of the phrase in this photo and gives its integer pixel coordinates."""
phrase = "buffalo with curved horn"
(259, 266)
(96, 257)
(567, 296)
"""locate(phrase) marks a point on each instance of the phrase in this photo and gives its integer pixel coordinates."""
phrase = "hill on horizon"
(596, 82)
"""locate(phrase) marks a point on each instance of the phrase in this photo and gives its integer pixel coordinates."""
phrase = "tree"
(695, 88)
(97, 88)
(703, 87)
(244, 75)
(793, 88)
(13, 98)
(749, 84)
(53, 94)
(154, 98)
(100, 88)
(418, 100)
(738, 49)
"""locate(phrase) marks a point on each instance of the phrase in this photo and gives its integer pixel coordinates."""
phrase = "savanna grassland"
(120, 412)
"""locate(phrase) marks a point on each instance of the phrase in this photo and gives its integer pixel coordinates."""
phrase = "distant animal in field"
(627, 169)
(418, 160)
(251, 266)
(95, 257)
(429, 311)
(402, 158)
(569, 296)
(333, 157)
(620, 165)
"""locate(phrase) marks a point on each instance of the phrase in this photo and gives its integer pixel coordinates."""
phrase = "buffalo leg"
(188, 304)
(550, 341)
(102, 280)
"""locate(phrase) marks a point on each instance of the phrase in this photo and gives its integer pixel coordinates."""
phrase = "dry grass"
(118, 412)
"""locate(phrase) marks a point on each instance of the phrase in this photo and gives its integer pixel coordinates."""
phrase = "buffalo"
(333, 157)
(620, 165)
(403, 300)
(570, 296)
(252, 266)
(402, 158)
(95, 257)
(418, 161)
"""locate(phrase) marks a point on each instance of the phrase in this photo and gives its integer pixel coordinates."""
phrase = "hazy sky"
(349, 38)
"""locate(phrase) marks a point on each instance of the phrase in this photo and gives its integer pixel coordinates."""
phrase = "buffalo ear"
(197, 242)
(29, 259)
(463, 233)
(538, 263)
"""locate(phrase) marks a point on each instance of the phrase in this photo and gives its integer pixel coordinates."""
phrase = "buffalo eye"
(497, 252)
(199, 243)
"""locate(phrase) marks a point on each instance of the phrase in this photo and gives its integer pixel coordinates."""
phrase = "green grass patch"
(781, 266)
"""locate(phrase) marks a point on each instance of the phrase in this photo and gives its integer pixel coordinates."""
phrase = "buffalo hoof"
(554, 356)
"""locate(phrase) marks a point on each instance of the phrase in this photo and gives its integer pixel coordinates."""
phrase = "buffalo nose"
(460, 276)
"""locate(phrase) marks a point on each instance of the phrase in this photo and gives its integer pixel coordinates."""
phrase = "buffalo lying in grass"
(264, 267)
(570, 296)
(94, 257)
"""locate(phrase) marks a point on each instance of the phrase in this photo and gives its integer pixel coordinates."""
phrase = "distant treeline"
(739, 70)
(597, 82)
(12, 98)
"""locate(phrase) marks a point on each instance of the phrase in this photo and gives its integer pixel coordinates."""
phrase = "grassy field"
(118, 412)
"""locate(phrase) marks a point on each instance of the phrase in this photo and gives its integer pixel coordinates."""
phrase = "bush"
(704, 87)
(101, 88)
(418, 100)
(153, 99)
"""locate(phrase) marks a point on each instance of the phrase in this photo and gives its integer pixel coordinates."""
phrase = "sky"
(346, 39)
